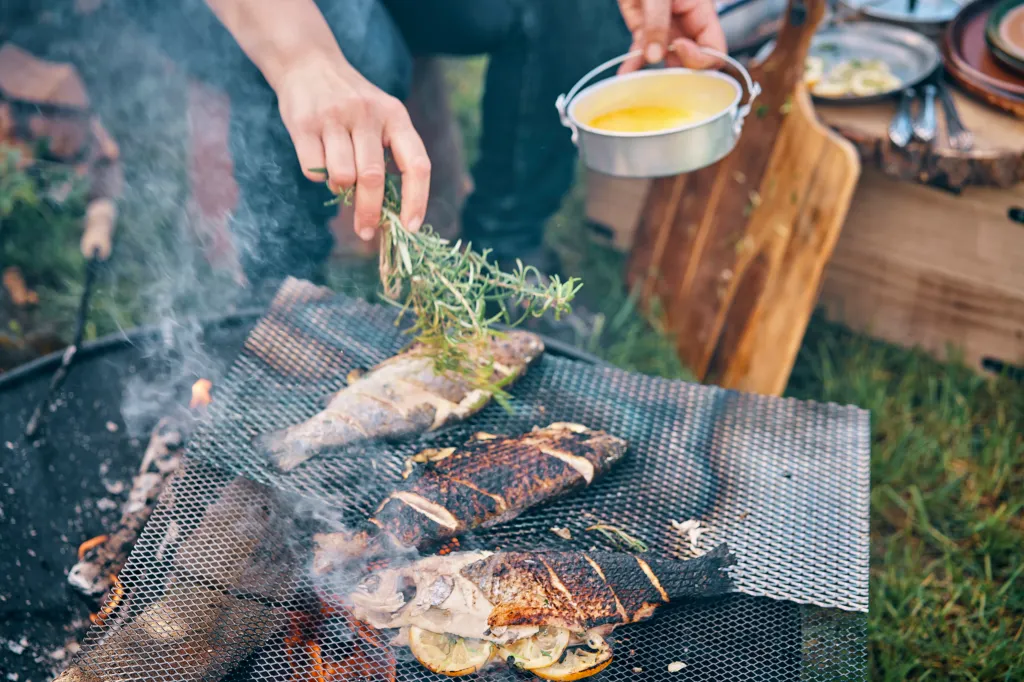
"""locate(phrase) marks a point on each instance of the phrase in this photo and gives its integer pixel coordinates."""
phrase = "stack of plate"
(984, 52)
(1004, 32)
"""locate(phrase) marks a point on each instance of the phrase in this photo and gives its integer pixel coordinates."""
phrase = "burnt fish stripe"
(629, 582)
(592, 596)
(703, 576)
(468, 505)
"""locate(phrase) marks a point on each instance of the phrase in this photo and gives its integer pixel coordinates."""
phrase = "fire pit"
(219, 584)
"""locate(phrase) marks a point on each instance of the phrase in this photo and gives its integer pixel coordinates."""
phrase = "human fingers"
(636, 62)
(654, 33)
(340, 157)
(310, 151)
(413, 162)
(368, 144)
(697, 21)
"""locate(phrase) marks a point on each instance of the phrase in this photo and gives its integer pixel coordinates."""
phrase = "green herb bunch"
(455, 294)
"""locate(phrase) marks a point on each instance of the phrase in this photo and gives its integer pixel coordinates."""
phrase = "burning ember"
(310, 664)
(201, 394)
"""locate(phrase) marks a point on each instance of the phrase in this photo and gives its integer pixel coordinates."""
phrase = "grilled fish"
(492, 604)
(487, 481)
(398, 398)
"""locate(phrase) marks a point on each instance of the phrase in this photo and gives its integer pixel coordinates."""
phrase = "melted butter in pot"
(642, 119)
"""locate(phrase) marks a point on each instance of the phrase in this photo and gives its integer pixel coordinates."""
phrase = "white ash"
(106, 504)
(17, 647)
(114, 487)
(691, 529)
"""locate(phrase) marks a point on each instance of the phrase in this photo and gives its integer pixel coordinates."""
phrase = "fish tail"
(342, 550)
(703, 576)
(284, 451)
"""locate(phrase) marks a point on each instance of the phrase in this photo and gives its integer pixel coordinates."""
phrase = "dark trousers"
(537, 49)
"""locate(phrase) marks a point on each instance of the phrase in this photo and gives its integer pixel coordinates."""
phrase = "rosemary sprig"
(456, 294)
(619, 537)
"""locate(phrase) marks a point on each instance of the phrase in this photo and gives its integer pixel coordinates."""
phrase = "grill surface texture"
(219, 585)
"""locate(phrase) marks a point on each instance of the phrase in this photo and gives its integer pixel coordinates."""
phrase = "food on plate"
(546, 612)
(401, 397)
(488, 480)
(642, 119)
(849, 77)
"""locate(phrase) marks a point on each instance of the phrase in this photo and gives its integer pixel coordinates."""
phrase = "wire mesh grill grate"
(219, 583)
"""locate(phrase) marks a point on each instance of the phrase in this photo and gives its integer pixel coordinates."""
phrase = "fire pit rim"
(46, 364)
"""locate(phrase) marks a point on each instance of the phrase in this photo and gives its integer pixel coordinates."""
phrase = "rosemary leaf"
(447, 288)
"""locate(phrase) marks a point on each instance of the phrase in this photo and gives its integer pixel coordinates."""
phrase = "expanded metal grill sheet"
(220, 579)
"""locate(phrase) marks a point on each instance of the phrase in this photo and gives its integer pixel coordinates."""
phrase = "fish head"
(516, 348)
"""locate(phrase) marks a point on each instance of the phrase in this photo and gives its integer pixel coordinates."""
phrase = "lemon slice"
(448, 654)
(814, 69)
(578, 662)
(830, 89)
(539, 651)
(873, 82)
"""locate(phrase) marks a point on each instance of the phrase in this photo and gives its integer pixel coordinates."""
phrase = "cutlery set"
(922, 125)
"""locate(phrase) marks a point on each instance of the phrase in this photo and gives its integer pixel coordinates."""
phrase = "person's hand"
(672, 30)
(340, 121)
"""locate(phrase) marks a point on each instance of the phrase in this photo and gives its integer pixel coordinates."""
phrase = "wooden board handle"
(787, 57)
(100, 222)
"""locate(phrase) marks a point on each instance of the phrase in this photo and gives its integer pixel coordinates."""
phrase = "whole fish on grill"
(489, 480)
(468, 609)
(401, 397)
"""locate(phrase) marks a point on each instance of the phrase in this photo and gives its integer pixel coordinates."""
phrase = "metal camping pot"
(715, 95)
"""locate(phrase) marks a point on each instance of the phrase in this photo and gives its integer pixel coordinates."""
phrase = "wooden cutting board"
(734, 253)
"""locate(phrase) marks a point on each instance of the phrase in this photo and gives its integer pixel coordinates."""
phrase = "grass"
(947, 507)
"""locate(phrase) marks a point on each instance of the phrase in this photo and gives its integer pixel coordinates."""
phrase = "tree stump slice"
(996, 160)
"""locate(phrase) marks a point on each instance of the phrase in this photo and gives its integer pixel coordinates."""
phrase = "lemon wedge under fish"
(539, 651)
(578, 662)
(447, 654)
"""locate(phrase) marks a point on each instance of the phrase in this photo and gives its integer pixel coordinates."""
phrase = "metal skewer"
(100, 221)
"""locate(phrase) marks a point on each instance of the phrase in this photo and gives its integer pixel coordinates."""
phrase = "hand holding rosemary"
(449, 289)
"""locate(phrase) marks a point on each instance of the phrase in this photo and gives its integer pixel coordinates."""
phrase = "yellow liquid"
(642, 119)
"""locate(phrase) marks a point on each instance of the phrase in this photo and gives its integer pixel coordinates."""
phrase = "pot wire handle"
(562, 103)
(753, 89)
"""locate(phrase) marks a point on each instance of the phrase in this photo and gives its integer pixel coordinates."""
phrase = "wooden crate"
(919, 266)
(915, 266)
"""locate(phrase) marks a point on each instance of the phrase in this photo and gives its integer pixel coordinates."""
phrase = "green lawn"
(947, 521)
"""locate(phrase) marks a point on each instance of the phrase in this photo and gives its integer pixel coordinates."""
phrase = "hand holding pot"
(672, 30)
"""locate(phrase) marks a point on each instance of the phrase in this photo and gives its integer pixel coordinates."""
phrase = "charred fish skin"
(399, 398)
(488, 481)
(491, 480)
(585, 590)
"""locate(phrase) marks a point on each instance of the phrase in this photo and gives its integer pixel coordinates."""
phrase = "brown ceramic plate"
(999, 99)
(966, 50)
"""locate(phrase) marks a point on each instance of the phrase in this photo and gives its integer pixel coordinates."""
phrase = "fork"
(960, 138)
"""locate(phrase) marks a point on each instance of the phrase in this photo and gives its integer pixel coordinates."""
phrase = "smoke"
(150, 69)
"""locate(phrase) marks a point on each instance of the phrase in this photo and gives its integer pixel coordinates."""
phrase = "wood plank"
(911, 304)
(970, 236)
